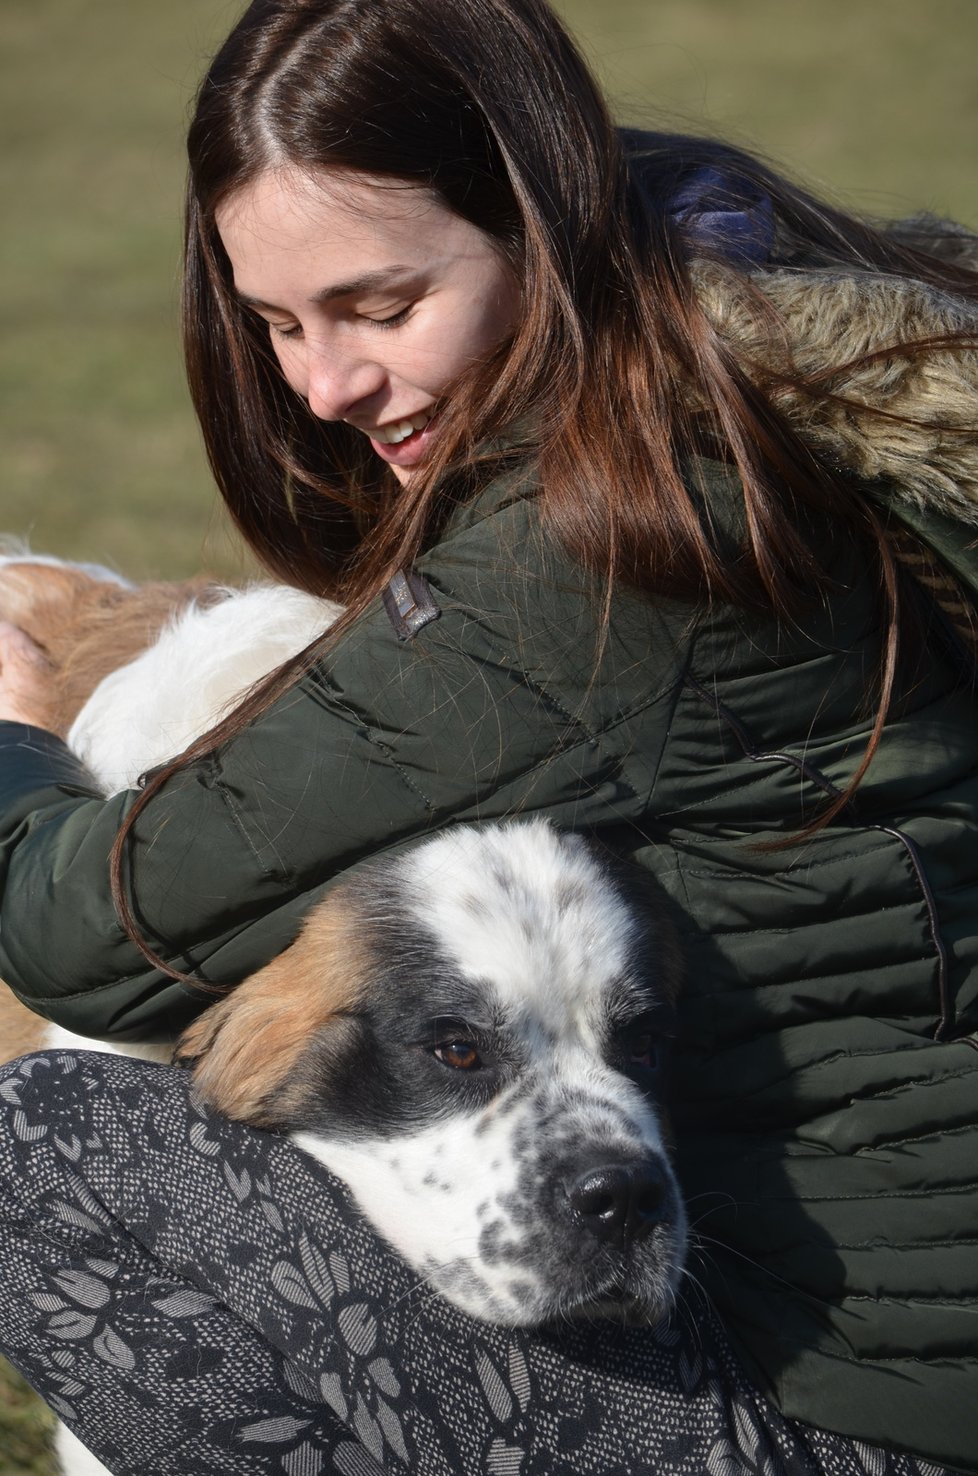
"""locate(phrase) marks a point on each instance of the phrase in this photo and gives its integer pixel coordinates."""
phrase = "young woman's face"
(376, 297)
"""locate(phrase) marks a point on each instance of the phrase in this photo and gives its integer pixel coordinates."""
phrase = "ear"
(246, 1051)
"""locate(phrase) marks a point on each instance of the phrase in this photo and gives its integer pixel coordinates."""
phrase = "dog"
(469, 1032)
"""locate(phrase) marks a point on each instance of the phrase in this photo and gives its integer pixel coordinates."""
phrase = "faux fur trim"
(908, 421)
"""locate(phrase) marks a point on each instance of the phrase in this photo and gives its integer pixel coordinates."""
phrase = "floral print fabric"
(195, 1297)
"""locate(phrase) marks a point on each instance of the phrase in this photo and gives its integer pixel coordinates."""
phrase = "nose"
(336, 385)
(620, 1203)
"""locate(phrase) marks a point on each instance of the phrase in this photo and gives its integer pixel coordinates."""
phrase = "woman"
(679, 458)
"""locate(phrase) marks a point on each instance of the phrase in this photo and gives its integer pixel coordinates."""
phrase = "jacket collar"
(870, 406)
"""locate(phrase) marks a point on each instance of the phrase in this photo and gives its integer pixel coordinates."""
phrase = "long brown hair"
(488, 105)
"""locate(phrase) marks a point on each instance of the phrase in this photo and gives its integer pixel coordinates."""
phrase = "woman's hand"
(26, 678)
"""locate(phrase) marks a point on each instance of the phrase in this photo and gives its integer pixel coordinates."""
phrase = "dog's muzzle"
(593, 1224)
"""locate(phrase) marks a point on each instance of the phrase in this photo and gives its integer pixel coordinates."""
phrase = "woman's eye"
(460, 1055)
(393, 321)
(291, 332)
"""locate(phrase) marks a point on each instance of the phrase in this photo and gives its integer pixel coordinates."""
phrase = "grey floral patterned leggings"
(195, 1297)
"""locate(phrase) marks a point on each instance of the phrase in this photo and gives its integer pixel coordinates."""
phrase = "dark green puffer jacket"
(826, 1086)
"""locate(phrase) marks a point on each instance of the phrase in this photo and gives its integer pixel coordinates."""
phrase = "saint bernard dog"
(469, 1032)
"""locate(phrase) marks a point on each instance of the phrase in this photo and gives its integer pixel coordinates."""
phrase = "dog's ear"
(87, 626)
(246, 1051)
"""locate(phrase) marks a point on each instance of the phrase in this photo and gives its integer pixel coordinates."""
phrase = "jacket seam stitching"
(543, 691)
(272, 873)
(913, 1358)
(907, 1245)
(910, 1298)
(318, 681)
(854, 855)
(868, 1150)
(967, 1186)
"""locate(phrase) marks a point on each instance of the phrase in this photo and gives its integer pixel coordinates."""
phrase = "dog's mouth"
(634, 1293)
(637, 1283)
(617, 1302)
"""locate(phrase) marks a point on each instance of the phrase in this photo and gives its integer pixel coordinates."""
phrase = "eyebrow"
(368, 282)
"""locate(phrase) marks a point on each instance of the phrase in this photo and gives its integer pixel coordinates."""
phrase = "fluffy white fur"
(200, 667)
(203, 662)
(456, 1182)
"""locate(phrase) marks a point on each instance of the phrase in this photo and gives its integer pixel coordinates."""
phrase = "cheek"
(496, 319)
(289, 362)
(505, 303)
(466, 339)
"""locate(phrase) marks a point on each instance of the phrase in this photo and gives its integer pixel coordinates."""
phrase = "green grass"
(99, 452)
(876, 104)
(24, 1428)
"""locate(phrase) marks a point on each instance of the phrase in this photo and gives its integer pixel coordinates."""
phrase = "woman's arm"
(491, 710)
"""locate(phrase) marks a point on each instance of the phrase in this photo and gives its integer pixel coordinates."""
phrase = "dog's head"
(470, 1036)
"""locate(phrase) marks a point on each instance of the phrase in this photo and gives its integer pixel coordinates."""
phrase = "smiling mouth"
(400, 430)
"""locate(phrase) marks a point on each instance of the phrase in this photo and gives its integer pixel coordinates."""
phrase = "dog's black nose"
(620, 1202)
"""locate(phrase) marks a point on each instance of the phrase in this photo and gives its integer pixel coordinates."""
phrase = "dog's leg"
(73, 1458)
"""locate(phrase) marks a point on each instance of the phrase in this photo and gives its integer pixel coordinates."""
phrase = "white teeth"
(392, 435)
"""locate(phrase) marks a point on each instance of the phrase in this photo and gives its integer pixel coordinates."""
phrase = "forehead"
(297, 219)
(530, 914)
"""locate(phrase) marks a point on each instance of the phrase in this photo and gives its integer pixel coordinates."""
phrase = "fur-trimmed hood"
(910, 420)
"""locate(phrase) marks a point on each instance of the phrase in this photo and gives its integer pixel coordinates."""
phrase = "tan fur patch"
(87, 627)
(247, 1048)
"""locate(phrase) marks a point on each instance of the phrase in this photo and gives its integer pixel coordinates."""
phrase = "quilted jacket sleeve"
(490, 710)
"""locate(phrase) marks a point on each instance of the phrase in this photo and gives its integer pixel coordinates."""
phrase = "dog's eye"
(639, 1044)
(460, 1055)
(642, 1051)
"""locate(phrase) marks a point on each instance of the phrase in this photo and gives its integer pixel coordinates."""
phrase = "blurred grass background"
(874, 102)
